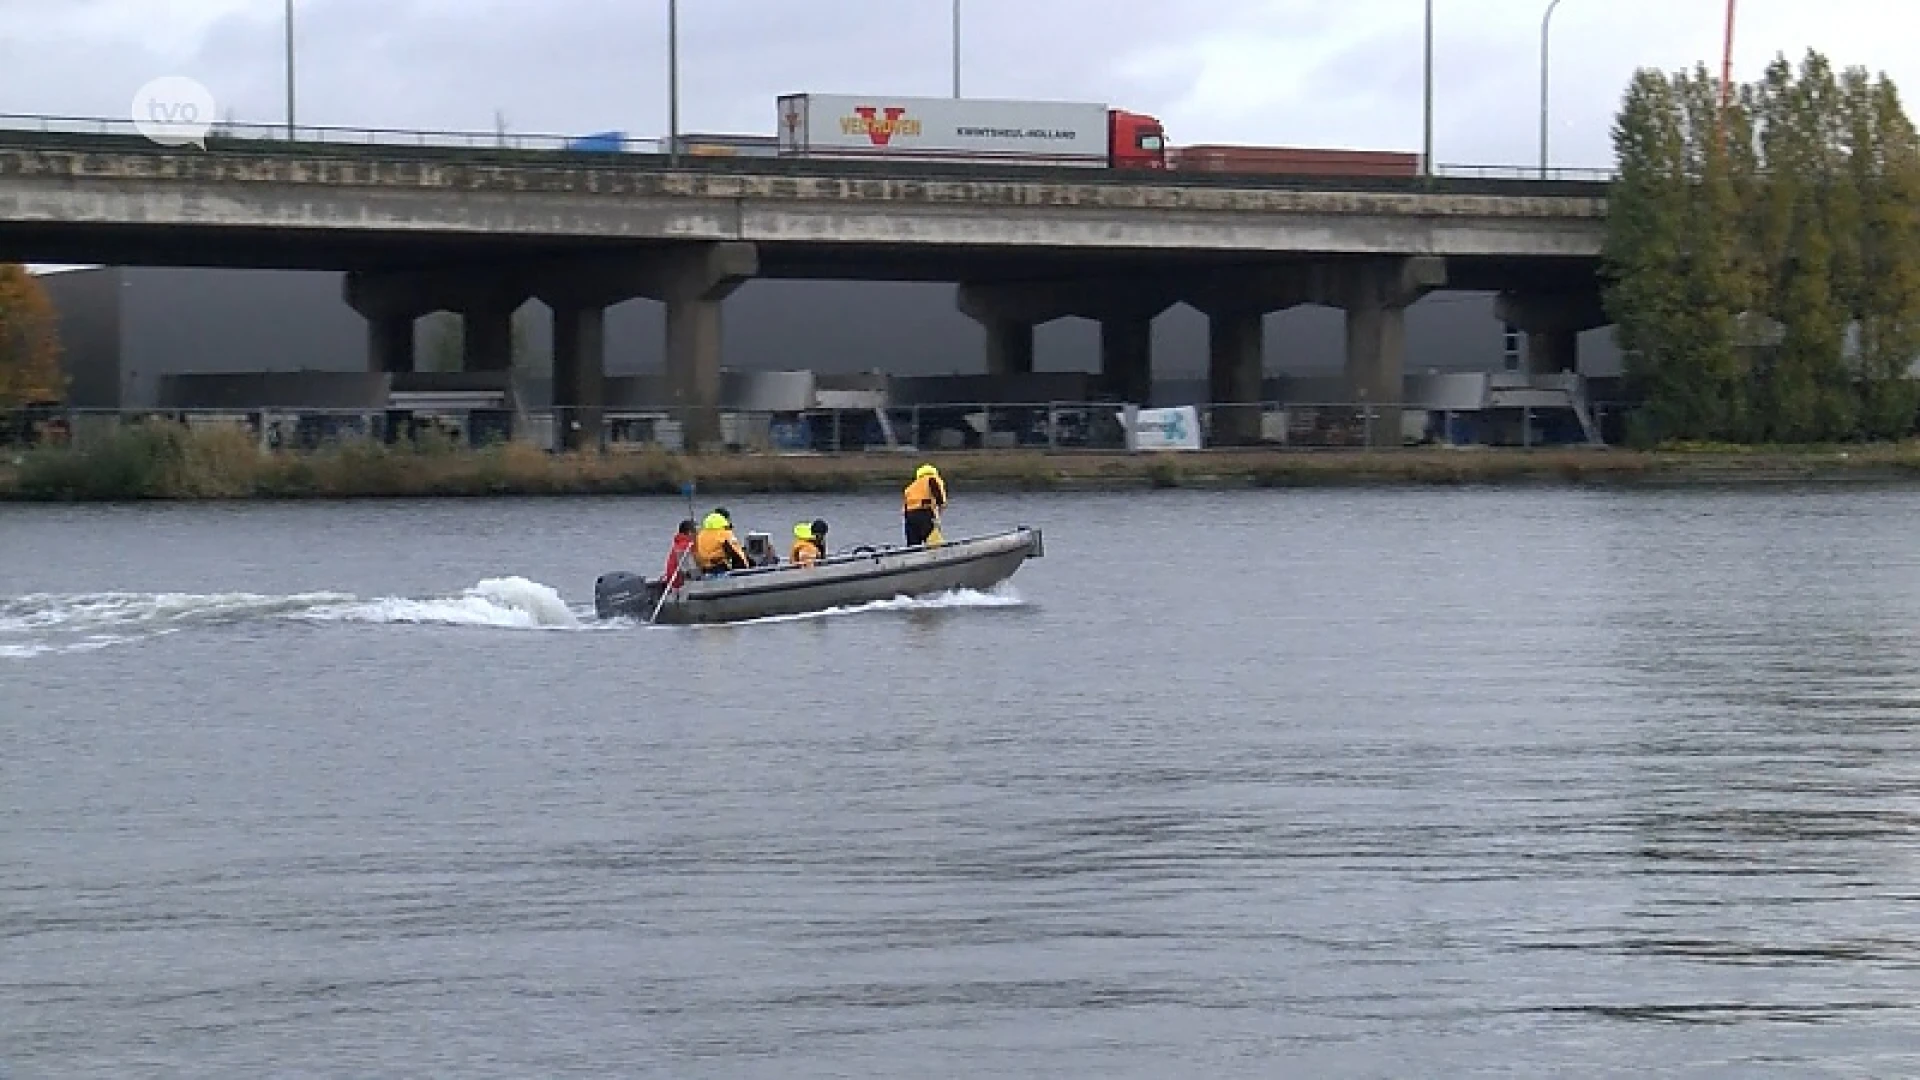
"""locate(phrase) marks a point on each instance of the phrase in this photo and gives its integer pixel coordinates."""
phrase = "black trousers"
(920, 525)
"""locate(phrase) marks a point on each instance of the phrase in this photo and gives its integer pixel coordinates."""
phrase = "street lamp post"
(1427, 146)
(956, 50)
(289, 70)
(673, 82)
(1545, 20)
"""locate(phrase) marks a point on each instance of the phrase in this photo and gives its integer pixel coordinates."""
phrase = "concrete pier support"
(390, 343)
(1553, 323)
(579, 376)
(692, 280)
(487, 337)
(1376, 295)
(1009, 347)
(1125, 307)
(1126, 356)
(1236, 351)
(693, 367)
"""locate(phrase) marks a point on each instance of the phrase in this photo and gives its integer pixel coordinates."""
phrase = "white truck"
(891, 128)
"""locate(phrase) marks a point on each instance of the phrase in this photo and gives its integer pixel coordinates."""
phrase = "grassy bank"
(170, 462)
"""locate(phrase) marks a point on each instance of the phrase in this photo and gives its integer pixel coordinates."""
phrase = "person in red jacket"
(682, 544)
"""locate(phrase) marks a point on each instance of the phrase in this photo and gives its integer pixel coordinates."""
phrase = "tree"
(1762, 261)
(29, 341)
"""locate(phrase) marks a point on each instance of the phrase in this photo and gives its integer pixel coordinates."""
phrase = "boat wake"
(1001, 596)
(44, 623)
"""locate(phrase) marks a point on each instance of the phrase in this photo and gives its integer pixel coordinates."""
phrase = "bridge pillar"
(1009, 347)
(1236, 360)
(1376, 294)
(1126, 356)
(390, 343)
(1125, 307)
(579, 376)
(486, 339)
(1553, 322)
(691, 279)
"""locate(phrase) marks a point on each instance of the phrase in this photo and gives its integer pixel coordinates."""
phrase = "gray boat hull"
(862, 576)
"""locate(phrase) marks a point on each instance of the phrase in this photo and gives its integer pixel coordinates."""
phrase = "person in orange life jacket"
(715, 549)
(809, 543)
(682, 543)
(921, 504)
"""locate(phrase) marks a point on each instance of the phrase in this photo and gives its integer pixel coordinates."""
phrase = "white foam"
(1000, 597)
(509, 603)
(42, 623)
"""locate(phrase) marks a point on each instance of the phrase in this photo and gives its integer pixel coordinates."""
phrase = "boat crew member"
(682, 542)
(922, 502)
(715, 549)
(809, 543)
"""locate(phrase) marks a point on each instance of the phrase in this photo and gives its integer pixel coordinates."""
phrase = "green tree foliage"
(1762, 262)
(29, 341)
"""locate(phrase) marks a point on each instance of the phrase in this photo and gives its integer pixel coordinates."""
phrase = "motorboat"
(861, 575)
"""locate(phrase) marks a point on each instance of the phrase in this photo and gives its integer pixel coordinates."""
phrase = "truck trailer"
(888, 128)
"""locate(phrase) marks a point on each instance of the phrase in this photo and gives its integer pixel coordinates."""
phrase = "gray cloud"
(1299, 72)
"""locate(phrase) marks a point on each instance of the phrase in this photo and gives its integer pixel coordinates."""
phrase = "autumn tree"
(29, 341)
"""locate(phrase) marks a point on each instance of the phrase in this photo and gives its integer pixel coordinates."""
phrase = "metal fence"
(1037, 426)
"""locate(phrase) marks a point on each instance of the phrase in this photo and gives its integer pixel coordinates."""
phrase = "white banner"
(1162, 429)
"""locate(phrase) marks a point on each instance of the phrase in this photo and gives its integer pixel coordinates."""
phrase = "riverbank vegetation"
(1762, 261)
(170, 461)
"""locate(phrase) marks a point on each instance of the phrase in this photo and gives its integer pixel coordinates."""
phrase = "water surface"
(1291, 783)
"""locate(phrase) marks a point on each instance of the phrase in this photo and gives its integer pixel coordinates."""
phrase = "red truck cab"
(1135, 141)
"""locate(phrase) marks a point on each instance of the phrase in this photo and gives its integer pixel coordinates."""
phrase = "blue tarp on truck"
(609, 142)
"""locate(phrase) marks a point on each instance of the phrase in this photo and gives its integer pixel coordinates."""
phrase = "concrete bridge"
(481, 231)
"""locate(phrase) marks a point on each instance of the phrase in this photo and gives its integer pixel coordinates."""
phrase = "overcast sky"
(1288, 72)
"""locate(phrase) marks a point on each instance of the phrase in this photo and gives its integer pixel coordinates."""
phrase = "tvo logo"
(173, 111)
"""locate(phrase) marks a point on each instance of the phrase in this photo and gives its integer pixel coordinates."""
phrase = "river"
(1293, 783)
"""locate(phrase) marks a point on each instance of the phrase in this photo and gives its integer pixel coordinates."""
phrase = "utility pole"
(1544, 21)
(289, 21)
(956, 50)
(673, 82)
(1427, 153)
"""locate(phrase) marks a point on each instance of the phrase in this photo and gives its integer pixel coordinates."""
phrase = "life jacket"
(805, 551)
(712, 547)
(925, 493)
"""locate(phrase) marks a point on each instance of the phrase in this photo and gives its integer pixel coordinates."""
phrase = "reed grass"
(161, 460)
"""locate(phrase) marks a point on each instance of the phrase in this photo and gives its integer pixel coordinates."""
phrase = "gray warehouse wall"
(89, 311)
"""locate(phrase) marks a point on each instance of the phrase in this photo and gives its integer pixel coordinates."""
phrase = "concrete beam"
(1093, 297)
(313, 197)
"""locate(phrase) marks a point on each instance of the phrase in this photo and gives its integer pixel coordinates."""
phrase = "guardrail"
(1054, 426)
(525, 142)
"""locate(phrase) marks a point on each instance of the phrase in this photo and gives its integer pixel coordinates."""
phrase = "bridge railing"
(308, 134)
(1051, 426)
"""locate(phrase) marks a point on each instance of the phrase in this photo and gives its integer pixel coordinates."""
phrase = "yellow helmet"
(803, 531)
(925, 470)
(714, 521)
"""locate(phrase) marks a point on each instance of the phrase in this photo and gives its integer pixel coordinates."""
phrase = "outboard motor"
(623, 595)
(760, 549)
